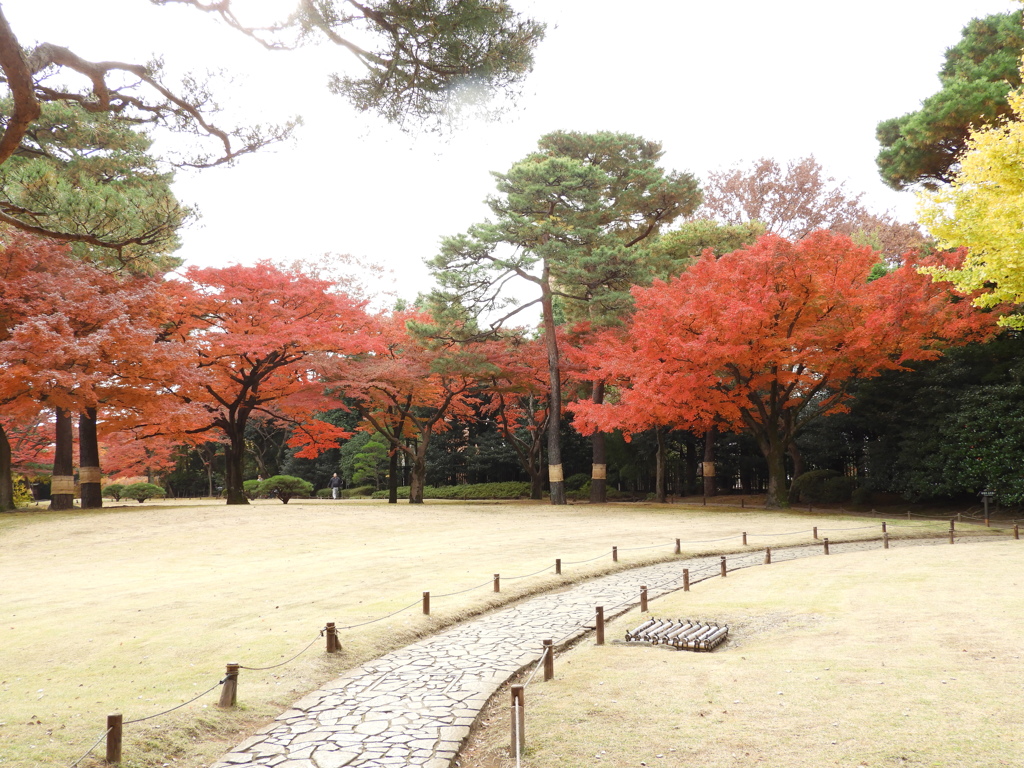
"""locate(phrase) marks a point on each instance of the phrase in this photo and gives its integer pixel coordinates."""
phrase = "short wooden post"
(558, 566)
(679, 549)
(615, 554)
(885, 540)
(426, 603)
(951, 536)
(723, 566)
(549, 660)
(518, 719)
(229, 690)
(686, 579)
(643, 599)
(333, 646)
(767, 555)
(883, 527)
(826, 545)
(952, 525)
(497, 582)
(815, 531)
(599, 625)
(744, 538)
(114, 724)
(1016, 532)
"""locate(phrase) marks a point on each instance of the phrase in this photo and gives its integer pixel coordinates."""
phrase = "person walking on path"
(334, 484)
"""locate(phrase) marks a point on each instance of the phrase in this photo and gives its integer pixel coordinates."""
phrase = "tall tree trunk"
(62, 482)
(555, 474)
(710, 488)
(798, 459)
(234, 454)
(419, 475)
(393, 476)
(599, 469)
(661, 463)
(211, 453)
(89, 478)
(690, 466)
(6, 474)
(537, 484)
(775, 454)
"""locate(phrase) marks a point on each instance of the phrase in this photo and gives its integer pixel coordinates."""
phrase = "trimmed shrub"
(577, 481)
(252, 488)
(286, 487)
(583, 493)
(324, 493)
(365, 491)
(477, 492)
(822, 486)
(114, 491)
(142, 491)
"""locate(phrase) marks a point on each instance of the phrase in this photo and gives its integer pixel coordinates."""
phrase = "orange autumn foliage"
(768, 337)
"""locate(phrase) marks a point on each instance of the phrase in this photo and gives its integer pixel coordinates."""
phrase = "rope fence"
(113, 732)
(702, 573)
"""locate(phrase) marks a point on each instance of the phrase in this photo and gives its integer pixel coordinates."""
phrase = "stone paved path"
(415, 706)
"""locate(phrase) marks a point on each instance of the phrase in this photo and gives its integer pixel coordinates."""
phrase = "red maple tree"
(75, 339)
(254, 333)
(516, 399)
(411, 387)
(769, 337)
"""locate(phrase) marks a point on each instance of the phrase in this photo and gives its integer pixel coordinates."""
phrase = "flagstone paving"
(415, 706)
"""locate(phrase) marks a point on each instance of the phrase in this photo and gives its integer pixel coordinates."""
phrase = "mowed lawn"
(903, 657)
(137, 608)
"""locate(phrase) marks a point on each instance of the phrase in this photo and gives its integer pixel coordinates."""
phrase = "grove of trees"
(730, 335)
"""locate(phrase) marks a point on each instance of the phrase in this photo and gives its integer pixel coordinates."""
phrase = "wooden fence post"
(114, 726)
(549, 660)
(333, 646)
(599, 625)
(229, 691)
(497, 582)
(723, 566)
(615, 554)
(678, 547)
(826, 545)
(744, 538)
(518, 719)
(885, 540)
(951, 536)
(1016, 532)
(558, 566)
(767, 555)
(883, 527)
(815, 532)
(643, 599)
(686, 579)
(426, 603)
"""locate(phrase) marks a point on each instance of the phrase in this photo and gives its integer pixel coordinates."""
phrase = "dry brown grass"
(134, 609)
(905, 657)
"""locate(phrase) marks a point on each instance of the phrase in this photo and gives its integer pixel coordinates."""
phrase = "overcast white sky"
(716, 83)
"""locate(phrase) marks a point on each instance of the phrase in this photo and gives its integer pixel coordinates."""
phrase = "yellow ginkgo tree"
(983, 210)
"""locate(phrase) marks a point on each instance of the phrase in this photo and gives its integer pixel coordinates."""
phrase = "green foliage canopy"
(285, 487)
(923, 147)
(142, 491)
